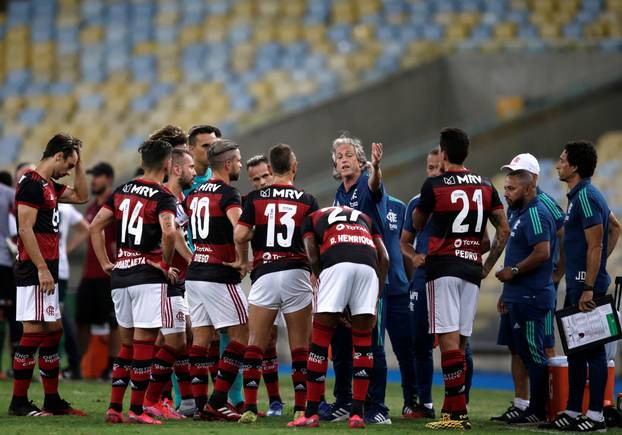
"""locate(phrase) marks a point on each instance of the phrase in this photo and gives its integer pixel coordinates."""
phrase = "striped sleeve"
(538, 229)
(591, 211)
(556, 211)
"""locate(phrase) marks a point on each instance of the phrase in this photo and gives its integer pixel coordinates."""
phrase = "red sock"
(167, 391)
(49, 362)
(182, 371)
(24, 362)
(317, 365)
(141, 363)
(299, 377)
(228, 368)
(453, 364)
(251, 375)
(213, 356)
(270, 369)
(199, 375)
(121, 377)
(161, 370)
(362, 364)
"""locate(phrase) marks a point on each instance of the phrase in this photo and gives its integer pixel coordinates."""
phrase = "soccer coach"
(590, 235)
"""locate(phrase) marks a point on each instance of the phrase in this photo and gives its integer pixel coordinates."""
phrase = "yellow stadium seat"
(190, 35)
(91, 35)
(294, 8)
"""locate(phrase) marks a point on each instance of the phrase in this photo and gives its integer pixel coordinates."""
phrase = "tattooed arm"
(502, 233)
(169, 230)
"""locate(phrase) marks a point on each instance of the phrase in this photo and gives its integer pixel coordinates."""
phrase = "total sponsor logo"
(270, 256)
(464, 243)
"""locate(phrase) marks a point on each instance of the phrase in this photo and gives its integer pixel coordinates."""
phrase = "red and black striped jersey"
(345, 235)
(276, 213)
(35, 191)
(137, 206)
(460, 204)
(212, 232)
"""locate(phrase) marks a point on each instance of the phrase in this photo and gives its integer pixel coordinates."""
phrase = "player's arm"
(485, 242)
(502, 232)
(540, 254)
(78, 193)
(98, 239)
(313, 253)
(169, 232)
(81, 232)
(560, 268)
(613, 233)
(27, 216)
(375, 178)
(594, 239)
(408, 252)
(383, 261)
(181, 246)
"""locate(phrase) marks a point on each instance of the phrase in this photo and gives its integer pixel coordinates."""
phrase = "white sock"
(429, 405)
(572, 414)
(521, 404)
(595, 415)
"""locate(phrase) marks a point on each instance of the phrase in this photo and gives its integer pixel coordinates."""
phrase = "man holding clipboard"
(590, 235)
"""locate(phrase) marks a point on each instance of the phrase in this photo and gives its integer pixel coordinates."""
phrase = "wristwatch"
(514, 270)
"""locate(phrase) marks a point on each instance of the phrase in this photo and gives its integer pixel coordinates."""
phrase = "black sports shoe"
(561, 422)
(58, 406)
(525, 418)
(510, 413)
(26, 409)
(585, 424)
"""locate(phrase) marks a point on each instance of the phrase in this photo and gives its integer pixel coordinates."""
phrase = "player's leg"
(376, 410)
(423, 345)
(229, 309)
(29, 313)
(518, 371)
(444, 307)
(260, 321)
(213, 355)
(549, 334)
(597, 366)
(270, 371)
(296, 297)
(398, 316)
(173, 344)
(202, 336)
(148, 303)
(362, 301)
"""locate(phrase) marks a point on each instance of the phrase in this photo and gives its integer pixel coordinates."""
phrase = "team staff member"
(529, 163)
(590, 235)
(458, 203)
(414, 264)
(347, 255)
(36, 272)
(362, 189)
(396, 315)
(528, 290)
(93, 300)
(260, 175)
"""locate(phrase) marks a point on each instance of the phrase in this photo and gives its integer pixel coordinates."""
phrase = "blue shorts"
(506, 338)
(527, 328)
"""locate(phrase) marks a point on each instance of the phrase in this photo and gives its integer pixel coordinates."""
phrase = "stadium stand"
(111, 71)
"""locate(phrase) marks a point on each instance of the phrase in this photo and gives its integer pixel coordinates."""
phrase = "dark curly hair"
(582, 154)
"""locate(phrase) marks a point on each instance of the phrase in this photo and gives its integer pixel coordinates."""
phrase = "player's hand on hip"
(586, 301)
(239, 265)
(46, 281)
(376, 154)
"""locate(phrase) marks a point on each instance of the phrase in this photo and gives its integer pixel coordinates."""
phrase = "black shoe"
(26, 409)
(561, 422)
(510, 413)
(417, 411)
(525, 418)
(585, 424)
(58, 406)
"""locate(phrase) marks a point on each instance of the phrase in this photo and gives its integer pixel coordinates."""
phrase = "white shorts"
(140, 306)
(215, 304)
(174, 315)
(286, 290)
(347, 284)
(33, 305)
(452, 303)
